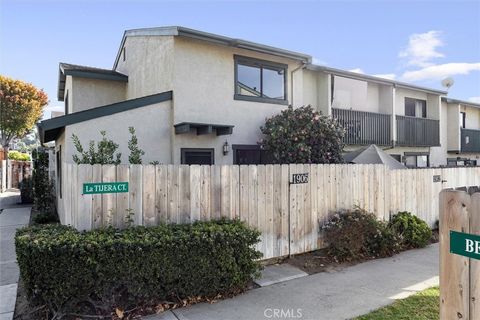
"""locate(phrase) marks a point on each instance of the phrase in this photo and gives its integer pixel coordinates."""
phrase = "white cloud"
(474, 99)
(441, 71)
(319, 61)
(357, 70)
(389, 76)
(422, 48)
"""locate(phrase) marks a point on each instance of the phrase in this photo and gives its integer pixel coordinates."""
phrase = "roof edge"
(47, 128)
(365, 77)
(465, 102)
(212, 38)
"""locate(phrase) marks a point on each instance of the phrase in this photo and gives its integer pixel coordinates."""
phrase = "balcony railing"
(417, 132)
(364, 127)
(470, 140)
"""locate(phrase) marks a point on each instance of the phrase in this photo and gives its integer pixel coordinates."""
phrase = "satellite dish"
(448, 82)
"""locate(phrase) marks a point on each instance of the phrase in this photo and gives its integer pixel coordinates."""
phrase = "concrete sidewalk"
(344, 294)
(11, 218)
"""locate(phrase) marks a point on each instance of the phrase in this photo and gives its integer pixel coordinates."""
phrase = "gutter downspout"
(302, 66)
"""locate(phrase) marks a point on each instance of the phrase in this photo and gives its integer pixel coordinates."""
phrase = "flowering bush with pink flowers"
(303, 135)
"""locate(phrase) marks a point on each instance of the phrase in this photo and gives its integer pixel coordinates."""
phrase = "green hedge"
(63, 268)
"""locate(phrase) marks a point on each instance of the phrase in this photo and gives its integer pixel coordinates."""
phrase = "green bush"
(357, 234)
(63, 268)
(19, 156)
(26, 190)
(412, 231)
(45, 218)
(303, 135)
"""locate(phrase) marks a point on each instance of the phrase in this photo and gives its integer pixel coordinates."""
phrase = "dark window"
(66, 103)
(415, 108)
(124, 53)
(417, 160)
(463, 116)
(59, 170)
(262, 81)
(197, 156)
(250, 154)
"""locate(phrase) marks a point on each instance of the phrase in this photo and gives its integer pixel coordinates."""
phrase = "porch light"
(226, 148)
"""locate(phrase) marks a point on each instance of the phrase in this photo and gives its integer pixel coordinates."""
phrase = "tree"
(21, 107)
(136, 153)
(303, 135)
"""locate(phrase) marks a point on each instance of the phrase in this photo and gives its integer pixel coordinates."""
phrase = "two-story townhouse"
(200, 98)
(193, 97)
(462, 128)
(401, 118)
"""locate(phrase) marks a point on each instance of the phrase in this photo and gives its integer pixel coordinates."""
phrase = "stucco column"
(394, 120)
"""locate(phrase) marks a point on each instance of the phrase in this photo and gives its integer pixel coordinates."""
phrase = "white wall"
(453, 126)
(438, 155)
(149, 64)
(92, 93)
(362, 95)
(204, 92)
(152, 125)
(472, 117)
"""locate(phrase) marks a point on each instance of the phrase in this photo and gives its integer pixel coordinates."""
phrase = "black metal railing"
(417, 132)
(470, 140)
(364, 127)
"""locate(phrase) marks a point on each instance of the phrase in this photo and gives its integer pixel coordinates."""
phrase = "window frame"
(415, 108)
(258, 63)
(183, 152)
(416, 155)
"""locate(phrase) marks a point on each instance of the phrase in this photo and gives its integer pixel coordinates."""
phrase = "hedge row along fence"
(289, 216)
(64, 268)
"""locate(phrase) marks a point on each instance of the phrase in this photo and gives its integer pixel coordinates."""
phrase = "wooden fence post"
(475, 264)
(459, 275)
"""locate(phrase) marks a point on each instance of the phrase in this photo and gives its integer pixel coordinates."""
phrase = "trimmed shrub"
(26, 190)
(357, 234)
(64, 268)
(412, 231)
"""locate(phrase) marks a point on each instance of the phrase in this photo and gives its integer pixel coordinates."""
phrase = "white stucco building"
(189, 94)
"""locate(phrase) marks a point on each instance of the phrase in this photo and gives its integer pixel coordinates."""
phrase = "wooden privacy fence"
(459, 274)
(289, 216)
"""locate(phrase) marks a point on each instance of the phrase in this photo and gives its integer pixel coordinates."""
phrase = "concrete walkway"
(11, 218)
(343, 294)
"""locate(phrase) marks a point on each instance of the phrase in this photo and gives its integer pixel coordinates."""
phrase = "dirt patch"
(319, 260)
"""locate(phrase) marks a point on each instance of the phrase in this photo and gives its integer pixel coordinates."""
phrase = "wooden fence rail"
(289, 216)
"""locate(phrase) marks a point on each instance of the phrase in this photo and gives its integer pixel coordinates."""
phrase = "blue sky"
(420, 42)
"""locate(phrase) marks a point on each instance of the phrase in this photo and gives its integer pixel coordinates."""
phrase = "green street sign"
(105, 187)
(465, 244)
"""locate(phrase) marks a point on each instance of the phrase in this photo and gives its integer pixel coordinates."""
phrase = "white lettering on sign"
(472, 246)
